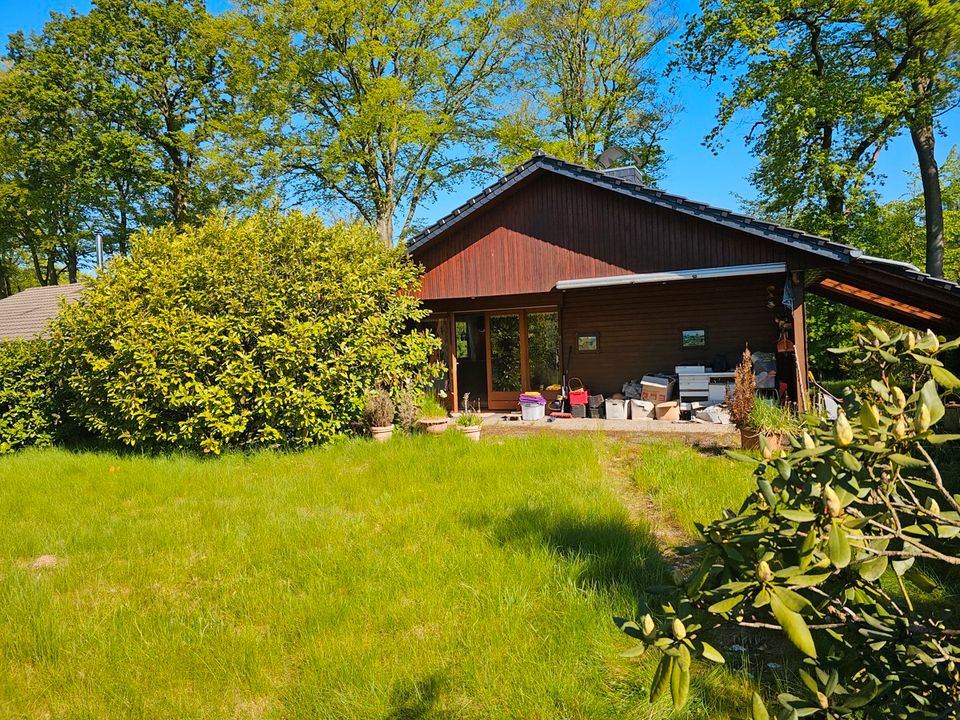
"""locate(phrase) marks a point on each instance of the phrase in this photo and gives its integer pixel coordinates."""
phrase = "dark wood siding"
(639, 326)
(554, 228)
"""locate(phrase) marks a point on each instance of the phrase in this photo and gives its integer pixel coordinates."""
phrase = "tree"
(587, 83)
(845, 524)
(45, 167)
(375, 105)
(830, 85)
(161, 110)
(898, 229)
(923, 38)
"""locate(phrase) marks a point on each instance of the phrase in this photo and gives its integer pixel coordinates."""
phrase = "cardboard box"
(656, 389)
(641, 410)
(668, 411)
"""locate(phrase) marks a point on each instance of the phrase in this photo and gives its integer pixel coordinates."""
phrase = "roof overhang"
(893, 290)
(673, 275)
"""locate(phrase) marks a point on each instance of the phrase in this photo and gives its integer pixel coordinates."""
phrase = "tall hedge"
(267, 331)
(29, 412)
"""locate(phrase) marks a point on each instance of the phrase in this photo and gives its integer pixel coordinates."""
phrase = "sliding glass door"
(523, 353)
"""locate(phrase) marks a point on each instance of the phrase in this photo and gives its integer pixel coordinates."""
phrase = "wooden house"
(557, 266)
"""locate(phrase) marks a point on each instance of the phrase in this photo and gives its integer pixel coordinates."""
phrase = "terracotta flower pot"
(381, 433)
(470, 431)
(434, 425)
(750, 439)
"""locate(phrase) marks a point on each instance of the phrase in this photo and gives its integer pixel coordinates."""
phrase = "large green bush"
(267, 331)
(28, 406)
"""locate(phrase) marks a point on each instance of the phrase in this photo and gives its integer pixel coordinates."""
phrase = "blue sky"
(692, 170)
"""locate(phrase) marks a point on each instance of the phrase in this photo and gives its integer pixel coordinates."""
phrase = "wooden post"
(800, 339)
(452, 339)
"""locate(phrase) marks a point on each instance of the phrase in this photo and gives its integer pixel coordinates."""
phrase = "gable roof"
(618, 180)
(26, 314)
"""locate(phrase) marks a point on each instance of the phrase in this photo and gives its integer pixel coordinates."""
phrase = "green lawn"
(427, 578)
(691, 485)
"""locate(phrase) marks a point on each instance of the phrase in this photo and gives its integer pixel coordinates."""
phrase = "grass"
(424, 578)
(692, 485)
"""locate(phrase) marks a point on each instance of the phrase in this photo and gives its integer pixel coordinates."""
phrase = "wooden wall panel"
(556, 228)
(639, 326)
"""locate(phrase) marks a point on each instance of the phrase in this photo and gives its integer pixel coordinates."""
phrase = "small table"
(696, 386)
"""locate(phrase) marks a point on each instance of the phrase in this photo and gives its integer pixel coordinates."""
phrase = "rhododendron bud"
(900, 428)
(922, 422)
(832, 501)
(646, 624)
(764, 573)
(899, 397)
(842, 432)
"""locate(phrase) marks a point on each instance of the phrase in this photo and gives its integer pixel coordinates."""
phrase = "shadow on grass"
(415, 700)
(612, 553)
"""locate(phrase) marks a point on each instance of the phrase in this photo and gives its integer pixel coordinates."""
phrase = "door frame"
(505, 403)
(507, 399)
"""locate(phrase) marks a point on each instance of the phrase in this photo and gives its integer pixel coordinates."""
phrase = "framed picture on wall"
(588, 343)
(693, 339)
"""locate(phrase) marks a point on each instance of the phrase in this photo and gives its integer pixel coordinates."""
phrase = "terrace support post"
(800, 338)
(452, 340)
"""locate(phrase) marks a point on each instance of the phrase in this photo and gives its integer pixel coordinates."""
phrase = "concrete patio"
(694, 433)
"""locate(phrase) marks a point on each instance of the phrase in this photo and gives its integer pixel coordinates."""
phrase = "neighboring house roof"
(27, 314)
(626, 181)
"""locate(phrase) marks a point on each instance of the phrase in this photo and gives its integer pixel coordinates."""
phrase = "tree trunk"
(385, 227)
(72, 269)
(122, 230)
(924, 140)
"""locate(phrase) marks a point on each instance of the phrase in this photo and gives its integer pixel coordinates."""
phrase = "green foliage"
(824, 87)
(469, 419)
(430, 407)
(111, 121)
(375, 106)
(265, 331)
(585, 83)
(28, 409)
(771, 417)
(844, 522)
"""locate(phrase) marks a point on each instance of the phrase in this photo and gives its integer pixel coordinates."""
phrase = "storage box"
(579, 397)
(641, 410)
(656, 389)
(717, 392)
(595, 411)
(579, 410)
(616, 409)
(668, 411)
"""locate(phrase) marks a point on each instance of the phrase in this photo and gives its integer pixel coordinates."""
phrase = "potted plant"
(772, 422)
(741, 404)
(470, 421)
(433, 416)
(379, 414)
